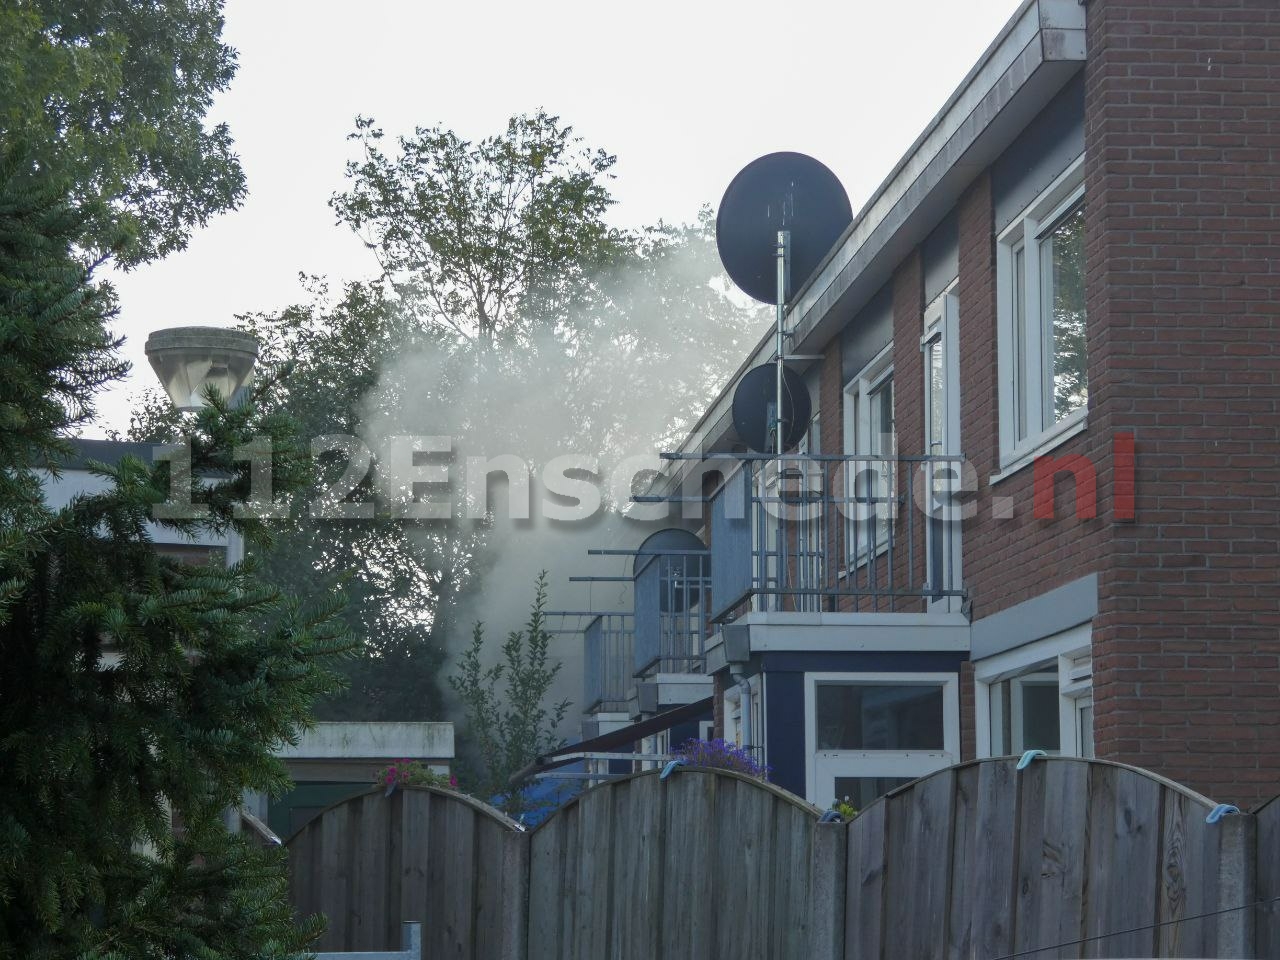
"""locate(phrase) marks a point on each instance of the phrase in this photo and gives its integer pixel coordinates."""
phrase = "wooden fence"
(372, 861)
(1067, 858)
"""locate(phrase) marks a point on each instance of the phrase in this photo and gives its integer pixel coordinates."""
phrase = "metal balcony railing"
(812, 532)
(671, 595)
(607, 677)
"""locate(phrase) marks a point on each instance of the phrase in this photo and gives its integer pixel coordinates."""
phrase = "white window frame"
(942, 324)
(857, 436)
(1066, 191)
(821, 764)
(1071, 650)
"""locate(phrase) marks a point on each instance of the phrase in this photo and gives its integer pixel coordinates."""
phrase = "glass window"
(1084, 726)
(879, 717)
(1063, 251)
(881, 439)
(1024, 713)
(1039, 715)
(937, 399)
(872, 479)
(1038, 697)
(1020, 340)
(1042, 320)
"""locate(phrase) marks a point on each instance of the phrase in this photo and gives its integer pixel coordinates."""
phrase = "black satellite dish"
(754, 400)
(779, 191)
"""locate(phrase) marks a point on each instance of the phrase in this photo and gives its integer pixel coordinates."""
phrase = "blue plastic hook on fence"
(671, 768)
(1027, 757)
(1220, 811)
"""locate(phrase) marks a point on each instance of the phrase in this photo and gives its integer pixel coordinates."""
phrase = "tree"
(482, 239)
(506, 713)
(112, 98)
(509, 316)
(140, 696)
(327, 355)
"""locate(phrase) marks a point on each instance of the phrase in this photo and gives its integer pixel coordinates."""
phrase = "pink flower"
(453, 781)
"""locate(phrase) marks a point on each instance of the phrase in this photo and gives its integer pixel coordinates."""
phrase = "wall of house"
(1176, 112)
(1182, 100)
(1009, 556)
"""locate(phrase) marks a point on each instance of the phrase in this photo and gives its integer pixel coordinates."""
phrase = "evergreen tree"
(139, 696)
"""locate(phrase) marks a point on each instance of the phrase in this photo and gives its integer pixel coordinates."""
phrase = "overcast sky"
(684, 94)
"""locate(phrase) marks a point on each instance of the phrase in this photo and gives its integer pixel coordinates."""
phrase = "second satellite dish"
(779, 191)
(754, 401)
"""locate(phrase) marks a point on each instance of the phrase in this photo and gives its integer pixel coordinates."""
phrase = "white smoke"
(607, 387)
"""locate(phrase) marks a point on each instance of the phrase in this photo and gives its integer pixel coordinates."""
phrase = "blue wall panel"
(730, 544)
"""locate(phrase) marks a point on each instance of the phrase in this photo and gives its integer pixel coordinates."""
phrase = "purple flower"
(721, 754)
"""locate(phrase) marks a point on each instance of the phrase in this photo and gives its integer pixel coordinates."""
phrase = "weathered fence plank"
(688, 917)
(994, 865)
(864, 895)
(1124, 863)
(1052, 848)
(964, 856)
(595, 823)
(1267, 857)
(827, 873)
(547, 896)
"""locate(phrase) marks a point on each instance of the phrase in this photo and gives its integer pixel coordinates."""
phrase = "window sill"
(1048, 442)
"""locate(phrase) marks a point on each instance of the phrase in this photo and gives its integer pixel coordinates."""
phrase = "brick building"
(1037, 505)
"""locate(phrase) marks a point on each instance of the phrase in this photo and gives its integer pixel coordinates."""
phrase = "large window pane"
(1063, 250)
(879, 717)
(937, 396)
(881, 439)
(1039, 716)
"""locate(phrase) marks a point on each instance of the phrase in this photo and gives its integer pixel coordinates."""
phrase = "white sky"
(684, 94)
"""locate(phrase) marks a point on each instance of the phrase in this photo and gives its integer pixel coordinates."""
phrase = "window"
(1037, 697)
(942, 439)
(1044, 388)
(871, 439)
(868, 733)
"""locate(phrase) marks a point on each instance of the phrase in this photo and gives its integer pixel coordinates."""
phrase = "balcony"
(807, 533)
(607, 675)
(652, 656)
(671, 593)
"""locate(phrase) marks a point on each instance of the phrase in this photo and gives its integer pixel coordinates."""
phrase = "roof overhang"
(1039, 50)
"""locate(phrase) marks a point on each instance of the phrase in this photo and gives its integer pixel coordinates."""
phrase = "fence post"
(827, 889)
(1237, 885)
(516, 866)
(411, 939)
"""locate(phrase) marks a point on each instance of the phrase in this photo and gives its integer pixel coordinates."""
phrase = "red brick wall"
(1182, 104)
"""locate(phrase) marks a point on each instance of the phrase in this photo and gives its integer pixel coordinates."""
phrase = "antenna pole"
(783, 255)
